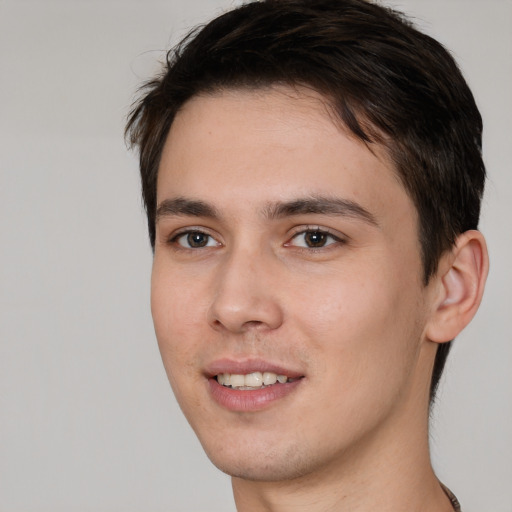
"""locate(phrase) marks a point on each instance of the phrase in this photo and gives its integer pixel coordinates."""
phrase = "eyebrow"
(320, 205)
(184, 207)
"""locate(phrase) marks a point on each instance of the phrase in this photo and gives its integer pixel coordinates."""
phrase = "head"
(384, 85)
(385, 82)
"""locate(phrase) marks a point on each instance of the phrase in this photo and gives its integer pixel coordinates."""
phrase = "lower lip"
(250, 400)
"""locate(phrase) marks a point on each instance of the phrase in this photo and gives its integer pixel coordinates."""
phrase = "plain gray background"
(88, 422)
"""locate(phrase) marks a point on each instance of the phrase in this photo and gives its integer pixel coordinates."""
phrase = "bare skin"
(285, 244)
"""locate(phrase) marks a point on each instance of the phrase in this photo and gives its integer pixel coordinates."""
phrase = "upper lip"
(246, 366)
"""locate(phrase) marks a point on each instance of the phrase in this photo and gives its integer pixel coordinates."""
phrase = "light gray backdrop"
(88, 422)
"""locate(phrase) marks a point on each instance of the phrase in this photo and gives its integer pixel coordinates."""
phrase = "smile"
(251, 385)
(251, 381)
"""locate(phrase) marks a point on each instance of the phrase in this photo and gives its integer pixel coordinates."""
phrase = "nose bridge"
(245, 290)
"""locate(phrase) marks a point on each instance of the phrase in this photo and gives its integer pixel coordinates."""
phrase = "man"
(312, 175)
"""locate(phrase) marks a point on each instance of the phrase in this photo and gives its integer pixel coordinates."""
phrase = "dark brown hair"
(387, 82)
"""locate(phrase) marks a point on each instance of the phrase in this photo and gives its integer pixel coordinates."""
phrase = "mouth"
(250, 385)
(252, 381)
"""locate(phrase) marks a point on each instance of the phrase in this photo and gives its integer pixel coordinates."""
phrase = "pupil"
(197, 239)
(315, 238)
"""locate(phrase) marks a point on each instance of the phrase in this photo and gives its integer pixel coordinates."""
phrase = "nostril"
(253, 324)
(253, 313)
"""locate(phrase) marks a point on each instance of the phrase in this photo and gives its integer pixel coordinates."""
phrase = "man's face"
(286, 247)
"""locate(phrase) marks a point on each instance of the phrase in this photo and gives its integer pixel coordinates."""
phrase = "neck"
(389, 471)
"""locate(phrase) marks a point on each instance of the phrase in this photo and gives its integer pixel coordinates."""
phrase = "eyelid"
(336, 235)
(314, 227)
(172, 239)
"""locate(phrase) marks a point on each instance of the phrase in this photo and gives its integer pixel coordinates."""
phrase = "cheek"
(342, 302)
(177, 314)
(176, 299)
(365, 321)
(363, 346)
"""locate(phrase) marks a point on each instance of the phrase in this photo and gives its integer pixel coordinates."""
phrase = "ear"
(460, 285)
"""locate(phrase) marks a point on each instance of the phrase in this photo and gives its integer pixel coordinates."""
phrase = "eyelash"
(336, 239)
(174, 239)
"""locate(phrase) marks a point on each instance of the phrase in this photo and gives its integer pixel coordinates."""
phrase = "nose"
(245, 294)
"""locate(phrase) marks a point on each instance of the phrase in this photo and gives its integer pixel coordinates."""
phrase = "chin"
(264, 464)
(263, 471)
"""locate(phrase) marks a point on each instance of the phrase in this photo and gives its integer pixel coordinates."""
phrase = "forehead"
(270, 144)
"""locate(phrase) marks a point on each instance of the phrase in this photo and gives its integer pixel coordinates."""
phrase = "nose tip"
(244, 299)
(241, 316)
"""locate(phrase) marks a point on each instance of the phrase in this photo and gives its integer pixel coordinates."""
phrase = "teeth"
(254, 380)
(224, 379)
(269, 378)
(237, 381)
(251, 380)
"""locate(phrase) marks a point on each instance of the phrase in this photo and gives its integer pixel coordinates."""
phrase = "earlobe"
(461, 281)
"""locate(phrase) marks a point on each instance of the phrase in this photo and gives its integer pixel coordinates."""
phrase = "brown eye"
(315, 238)
(195, 240)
